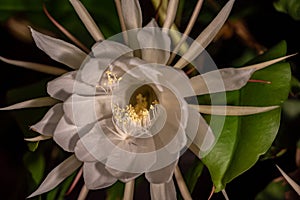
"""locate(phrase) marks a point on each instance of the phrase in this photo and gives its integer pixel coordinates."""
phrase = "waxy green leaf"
(244, 139)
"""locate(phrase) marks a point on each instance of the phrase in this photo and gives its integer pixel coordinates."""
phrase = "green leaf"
(32, 146)
(273, 191)
(193, 174)
(35, 163)
(59, 192)
(244, 139)
(116, 191)
(291, 7)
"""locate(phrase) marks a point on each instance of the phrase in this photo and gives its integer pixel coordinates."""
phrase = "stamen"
(134, 120)
(111, 83)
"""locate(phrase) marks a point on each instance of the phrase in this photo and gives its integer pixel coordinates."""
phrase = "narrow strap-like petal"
(187, 31)
(59, 50)
(199, 133)
(133, 20)
(155, 44)
(228, 79)
(132, 14)
(47, 125)
(265, 64)
(232, 110)
(171, 14)
(222, 80)
(129, 190)
(83, 193)
(87, 20)
(57, 175)
(122, 20)
(203, 40)
(32, 103)
(35, 66)
(292, 183)
(38, 138)
(96, 176)
(165, 191)
(185, 193)
(225, 194)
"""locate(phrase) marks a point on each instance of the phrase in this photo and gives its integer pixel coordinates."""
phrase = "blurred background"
(254, 26)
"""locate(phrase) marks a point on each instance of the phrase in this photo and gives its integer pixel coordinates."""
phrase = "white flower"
(123, 110)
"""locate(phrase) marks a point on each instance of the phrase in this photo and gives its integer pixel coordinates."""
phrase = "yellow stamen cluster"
(134, 118)
(112, 81)
(112, 78)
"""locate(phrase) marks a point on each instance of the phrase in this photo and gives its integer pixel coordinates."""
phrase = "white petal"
(292, 183)
(222, 80)
(32, 103)
(187, 30)
(155, 44)
(126, 160)
(232, 110)
(163, 175)
(83, 154)
(185, 193)
(49, 122)
(132, 14)
(123, 176)
(206, 36)
(38, 138)
(122, 20)
(165, 191)
(266, 63)
(57, 175)
(228, 79)
(204, 137)
(83, 193)
(123, 65)
(171, 14)
(96, 176)
(94, 145)
(35, 66)
(129, 190)
(62, 87)
(66, 135)
(225, 194)
(105, 54)
(81, 110)
(59, 50)
(172, 136)
(87, 20)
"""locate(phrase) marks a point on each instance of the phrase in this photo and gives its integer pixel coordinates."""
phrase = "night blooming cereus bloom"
(126, 109)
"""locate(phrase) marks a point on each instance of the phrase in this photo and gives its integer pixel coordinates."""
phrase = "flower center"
(136, 118)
